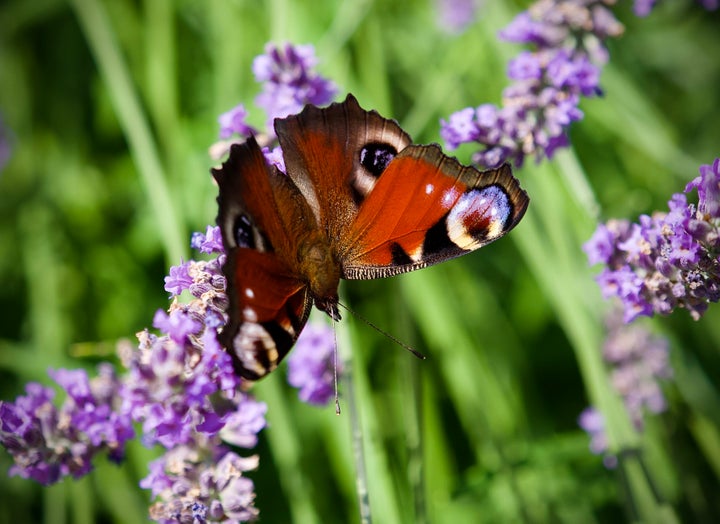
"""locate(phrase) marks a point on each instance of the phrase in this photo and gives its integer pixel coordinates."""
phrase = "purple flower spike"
(638, 360)
(592, 422)
(48, 443)
(233, 123)
(455, 16)
(290, 81)
(567, 37)
(210, 242)
(179, 279)
(667, 260)
(311, 364)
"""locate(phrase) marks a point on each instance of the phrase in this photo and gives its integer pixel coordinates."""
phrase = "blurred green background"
(111, 106)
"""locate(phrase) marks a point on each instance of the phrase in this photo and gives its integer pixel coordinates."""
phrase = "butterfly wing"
(333, 155)
(425, 208)
(261, 216)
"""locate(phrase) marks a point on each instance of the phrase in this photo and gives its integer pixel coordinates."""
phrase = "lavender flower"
(5, 144)
(643, 8)
(454, 16)
(48, 443)
(592, 422)
(180, 386)
(233, 123)
(549, 81)
(201, 484)
(289, 81)
(667, 260)
(210, 242)
(311, 366)
(638, 360)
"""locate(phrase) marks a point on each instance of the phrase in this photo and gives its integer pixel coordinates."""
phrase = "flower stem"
(114, 71)
(361, 482)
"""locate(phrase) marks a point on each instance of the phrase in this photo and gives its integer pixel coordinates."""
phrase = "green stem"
(361, 482)
(550, 249)
(100, 36)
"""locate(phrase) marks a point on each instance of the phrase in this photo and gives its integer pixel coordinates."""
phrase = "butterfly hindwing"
(268, 309)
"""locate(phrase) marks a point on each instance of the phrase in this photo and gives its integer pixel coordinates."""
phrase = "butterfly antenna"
(335, 373)
(382, 331)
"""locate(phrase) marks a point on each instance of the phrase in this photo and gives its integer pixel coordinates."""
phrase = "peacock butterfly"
(358, 201)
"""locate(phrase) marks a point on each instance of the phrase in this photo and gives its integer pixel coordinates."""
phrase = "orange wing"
(426, 208)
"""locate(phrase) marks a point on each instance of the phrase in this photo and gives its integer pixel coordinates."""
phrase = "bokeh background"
(108, 174)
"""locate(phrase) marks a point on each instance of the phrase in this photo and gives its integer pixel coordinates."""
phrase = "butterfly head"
(329, 306)
(322, 273)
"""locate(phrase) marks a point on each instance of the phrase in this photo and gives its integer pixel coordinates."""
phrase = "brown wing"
(261, 215)
(334, 155)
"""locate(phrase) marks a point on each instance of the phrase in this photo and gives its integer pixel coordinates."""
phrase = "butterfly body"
(357, 201)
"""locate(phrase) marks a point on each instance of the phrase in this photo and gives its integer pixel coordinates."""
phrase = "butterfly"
(358, 200)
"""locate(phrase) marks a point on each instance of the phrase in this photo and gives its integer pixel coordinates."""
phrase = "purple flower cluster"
(643, 7)
(567, 36)
(592, 422)
(638, 360)
(311, 366)
(179, 384)
(48, 443)
(289, 81)
(182, 387)
(201, 484)
(454, 16)
(666, 260)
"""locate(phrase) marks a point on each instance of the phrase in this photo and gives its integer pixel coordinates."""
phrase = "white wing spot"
(429, 188)
(249, 314)
(449, 198)
(249, 293)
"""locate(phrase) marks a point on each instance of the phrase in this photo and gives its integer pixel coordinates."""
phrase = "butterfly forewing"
(330, 154)
(259, 213)
(426, 208)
